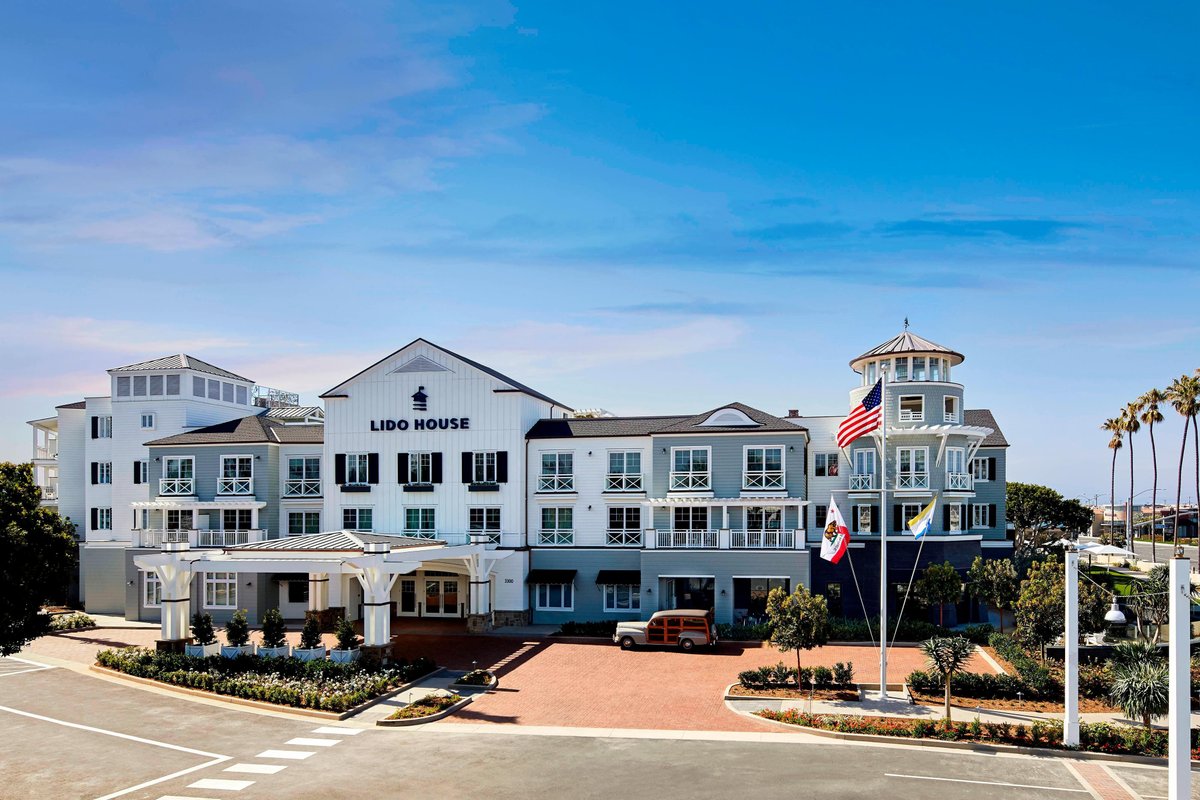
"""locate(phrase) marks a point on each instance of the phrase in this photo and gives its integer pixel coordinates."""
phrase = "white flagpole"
(883, 526)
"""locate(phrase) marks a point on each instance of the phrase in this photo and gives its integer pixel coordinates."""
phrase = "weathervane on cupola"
(420, 400)
(906, 323)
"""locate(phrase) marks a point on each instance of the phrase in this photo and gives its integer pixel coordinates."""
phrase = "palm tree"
(1114, 427)
(1150, 417)
(947, 655)
(1141, 689)
(1130, 426)
(1183, 393)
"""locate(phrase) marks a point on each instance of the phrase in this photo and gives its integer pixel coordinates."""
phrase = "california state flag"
(837, 535)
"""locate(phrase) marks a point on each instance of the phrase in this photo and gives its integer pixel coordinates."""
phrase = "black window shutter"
(95, 472)
(897, 517)
(854, 519)
(95, 514)
(468, 462)
(401, 467)
(95, 429)
(875, 527)
(991, 469)
(991, 515)
(945, 517)
(137, 472)
(435, 462)
(372, 467)
(502, 466)
(339, 469)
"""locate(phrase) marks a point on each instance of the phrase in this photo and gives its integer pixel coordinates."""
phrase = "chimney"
(793, 413)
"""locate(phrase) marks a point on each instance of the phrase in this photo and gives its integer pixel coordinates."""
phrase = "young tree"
(310, 634)
(274, 631)
(940, 584)
(994, 581)
(1041, 606)
(37, 551)
(947, 655)
(800, 620)
(1038, 513)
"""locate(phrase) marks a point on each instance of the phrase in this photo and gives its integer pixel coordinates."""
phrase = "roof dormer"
(728, 417)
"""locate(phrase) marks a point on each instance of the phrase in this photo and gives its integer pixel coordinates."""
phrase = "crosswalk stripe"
(338, 731)
(303, 742)
(294, 755)
(220, 783)
(257, 769)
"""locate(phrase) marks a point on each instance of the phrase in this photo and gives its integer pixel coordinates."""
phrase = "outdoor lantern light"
(1114, 615)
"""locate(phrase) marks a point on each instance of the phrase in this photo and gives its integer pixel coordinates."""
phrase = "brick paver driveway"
(580, 682)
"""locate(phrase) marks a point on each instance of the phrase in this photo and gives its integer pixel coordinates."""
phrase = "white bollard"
(1179, 729)
(1071, 652)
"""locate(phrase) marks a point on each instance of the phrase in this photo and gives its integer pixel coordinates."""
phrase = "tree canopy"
(939, 584)
(1039, 514)
(37, 552)
(994, 581)
(1041, 606)
(800, 620)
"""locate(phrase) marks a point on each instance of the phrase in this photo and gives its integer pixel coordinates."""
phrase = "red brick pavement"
(1100, 781)
(576, 682)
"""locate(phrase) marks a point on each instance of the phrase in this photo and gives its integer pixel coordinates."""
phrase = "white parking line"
(294, 755)
(183, 797)
(304, 742)
(257, 769)
(985, 783)
(220, 783)
(34, 666)
(338, 731)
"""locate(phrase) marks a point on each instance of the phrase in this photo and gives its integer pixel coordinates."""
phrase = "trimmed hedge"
(71, 622)
(1100, 737)
(843, 629)
(744, 633)
(320, 685)
(604, 627)
(781, 676)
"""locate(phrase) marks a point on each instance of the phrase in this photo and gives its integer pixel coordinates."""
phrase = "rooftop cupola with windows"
(907, 357)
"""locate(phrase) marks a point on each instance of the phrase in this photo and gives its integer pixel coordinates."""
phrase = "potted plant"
(206, 638)
(347, 642)
(274, 636)
(237, 634)
(311, 647)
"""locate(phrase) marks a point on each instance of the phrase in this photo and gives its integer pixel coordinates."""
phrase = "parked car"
(685, 628)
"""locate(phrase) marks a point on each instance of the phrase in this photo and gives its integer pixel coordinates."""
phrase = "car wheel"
(686, 644)
(627, 643)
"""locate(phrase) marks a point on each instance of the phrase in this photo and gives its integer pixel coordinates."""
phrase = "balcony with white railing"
(421, 533)
(690, 482)
(670, 539)
(950, 416)
(623, 538)
(958, 482)
(862, 483)
(228, 538)
(235, 486)
(621, 482)
(912, 480)
(762, 539)
(556, 536)
(176, 487)
(154, 537)
(49, 492)
(759, 481)
(556, 483)
(305, 487)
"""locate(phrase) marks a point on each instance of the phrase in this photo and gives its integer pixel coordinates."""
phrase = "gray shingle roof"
(766, 422)
(294, 412)
(983, 418)
(335, 541)
(76, 404)
(907, 342)
(181, 361)
(644, 426)
(254, 429)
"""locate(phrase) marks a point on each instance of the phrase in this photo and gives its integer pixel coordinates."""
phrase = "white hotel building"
(433, 486)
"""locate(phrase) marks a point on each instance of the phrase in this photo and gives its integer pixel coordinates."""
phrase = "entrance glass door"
(441, 597)
(693, 593)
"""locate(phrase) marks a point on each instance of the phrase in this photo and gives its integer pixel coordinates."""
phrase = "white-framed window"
(955, 517)
(357, 469)
(558, 473)
(104, 427)
(237, 475)
(151, 590)
(764, 518)
(689, 518)
(918, 368)
(624, 526)
(485, 519)
(909, 511)
(420, 522)
(103, 519)
(689, 468)
(863, 474)
(220, 590)
(179, 519)
(764, 467)
(624, 471)
(178, 467)
(483, 467)
(980, 516)
(123, 386)
(825, 465)
(912, 408)
(141, 472)
(957, 478)
(173, 384)
(147, 421)
(420, 467)
(554, 597)
(198, 386)
(935, 369)
(558, 525)
(356, 519)
(980, 470)
(303, 477)
(902, 369)
(235, 519)
(950, 409)
(303, 522)
(104, 472)
(622, 597)
(911, 468)
(864, 518)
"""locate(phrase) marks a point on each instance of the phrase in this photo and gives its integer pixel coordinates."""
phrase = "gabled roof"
(181, 361)
(335, 541)
(254, 429)
(572, 428)
(516, 386)
(983, 418)
(908, 342)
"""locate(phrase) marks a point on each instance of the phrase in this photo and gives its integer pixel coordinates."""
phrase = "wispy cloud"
(791, 231)
(1026, 230)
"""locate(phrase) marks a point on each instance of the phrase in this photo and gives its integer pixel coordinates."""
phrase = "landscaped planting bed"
(71, 622)
(317, 685)
(1094, 737)
(822, 683)
(426, 706)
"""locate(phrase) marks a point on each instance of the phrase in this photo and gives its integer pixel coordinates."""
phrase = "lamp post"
(1179, 728)
(1071, 649)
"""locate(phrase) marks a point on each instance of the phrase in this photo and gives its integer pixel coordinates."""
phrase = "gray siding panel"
(589, 602)
(723, 566)
(727, 461)
(102, 573)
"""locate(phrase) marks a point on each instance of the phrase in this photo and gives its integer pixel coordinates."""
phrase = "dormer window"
(729, 418)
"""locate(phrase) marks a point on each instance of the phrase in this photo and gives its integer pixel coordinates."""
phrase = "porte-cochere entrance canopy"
(374, 560)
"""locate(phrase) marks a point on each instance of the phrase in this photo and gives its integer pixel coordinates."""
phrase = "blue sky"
(645, 208)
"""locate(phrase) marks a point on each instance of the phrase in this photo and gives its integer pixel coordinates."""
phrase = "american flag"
(864, 418)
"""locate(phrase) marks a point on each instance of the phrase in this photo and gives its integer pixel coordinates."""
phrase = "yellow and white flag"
(920, 524)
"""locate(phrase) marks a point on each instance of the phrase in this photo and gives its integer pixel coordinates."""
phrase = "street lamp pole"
(1071, 650)
(1179, 729)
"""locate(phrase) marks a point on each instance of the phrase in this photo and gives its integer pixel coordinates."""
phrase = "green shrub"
(805, 676)
(604, 627)
(744, 633)
(843, 673)
(477, 677)
(237, 632)
(978, 634)
(274, 632)
(1037, 678)
(71, 622)
(843, 629)
(310, 634)
(202, 628)
(347, 639)
(822, 677)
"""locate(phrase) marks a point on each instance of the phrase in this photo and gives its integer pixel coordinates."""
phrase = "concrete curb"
(259, 704)
(471, 687)
(729, 695)
(403, 723)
